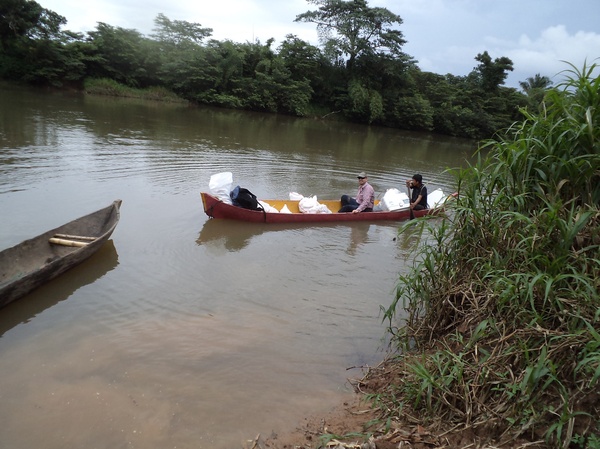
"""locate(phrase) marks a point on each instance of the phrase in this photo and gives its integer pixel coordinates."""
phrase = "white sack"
(394, 200)
(267, 207)
(323, 209)
(220, 186)
(295, 196)
(285, 210)
(436, 198)
(310, 205)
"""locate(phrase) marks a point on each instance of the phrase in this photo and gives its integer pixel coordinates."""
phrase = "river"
(184, 331)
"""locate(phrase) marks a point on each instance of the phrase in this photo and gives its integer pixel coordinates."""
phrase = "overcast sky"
(444, 36)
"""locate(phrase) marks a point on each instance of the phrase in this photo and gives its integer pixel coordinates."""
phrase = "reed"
(109, 87)
(496, 325)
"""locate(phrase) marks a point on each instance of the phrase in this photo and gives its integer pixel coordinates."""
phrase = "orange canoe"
(215, 208)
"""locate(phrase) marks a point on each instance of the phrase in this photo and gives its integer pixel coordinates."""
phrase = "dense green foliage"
(503, 305)
(359, 72)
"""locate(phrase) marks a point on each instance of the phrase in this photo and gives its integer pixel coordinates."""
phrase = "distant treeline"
(358, 73)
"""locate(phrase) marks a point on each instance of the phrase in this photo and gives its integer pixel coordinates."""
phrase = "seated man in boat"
(418, 197)
(365, 198)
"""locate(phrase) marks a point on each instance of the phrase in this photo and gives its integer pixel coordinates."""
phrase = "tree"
(306, 62)
(349, 29)
(183, 67)
(413, 112)
(54, 62)
(215, 73)
(32, 46)
(535, 82)
(492, 73)
(123, 55)
(27, 19)
(301, 58)
(179, 33)
(364, 105)
(535, 88)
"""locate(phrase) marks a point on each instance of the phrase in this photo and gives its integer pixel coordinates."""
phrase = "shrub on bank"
(503, 309)
(109, 87)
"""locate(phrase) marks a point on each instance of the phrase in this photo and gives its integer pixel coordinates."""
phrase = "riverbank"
(361, 424)
(108, 87)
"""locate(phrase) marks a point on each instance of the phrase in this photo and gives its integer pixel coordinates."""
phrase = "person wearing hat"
(418, 198)
(365, 198)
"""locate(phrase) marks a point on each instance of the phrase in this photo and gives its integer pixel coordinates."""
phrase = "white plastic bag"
(310, 205)
(295, 196)
(220, 186)
(267, 207)
(285, 210)
(323, 209)
(394, 200)
(436, 198)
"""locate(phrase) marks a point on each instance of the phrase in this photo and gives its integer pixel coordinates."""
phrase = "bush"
(105, 86)
(503, 306)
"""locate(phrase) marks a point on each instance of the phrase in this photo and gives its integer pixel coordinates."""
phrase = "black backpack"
(244, 198)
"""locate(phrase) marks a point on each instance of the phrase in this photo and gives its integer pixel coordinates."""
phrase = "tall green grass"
(497, 325)
(105, 86)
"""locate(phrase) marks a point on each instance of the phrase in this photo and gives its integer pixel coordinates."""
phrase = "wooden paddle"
(412, 216)
(71, 240)
(64, 242)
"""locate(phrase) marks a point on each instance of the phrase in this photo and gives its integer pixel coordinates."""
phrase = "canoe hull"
(34, 262)
(215, 208)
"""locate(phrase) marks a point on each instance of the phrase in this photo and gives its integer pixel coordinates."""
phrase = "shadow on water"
(59, 289)
(235, 236)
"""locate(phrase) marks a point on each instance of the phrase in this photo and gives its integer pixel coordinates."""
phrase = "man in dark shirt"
(418, 199)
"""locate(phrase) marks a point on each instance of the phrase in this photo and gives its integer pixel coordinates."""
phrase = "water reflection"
(111, 138)
(358, 236)
(234, 236)
(59, 289)
(230, 235)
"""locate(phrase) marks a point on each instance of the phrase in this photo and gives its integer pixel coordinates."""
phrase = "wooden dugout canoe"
(36, 261)
(215, 208)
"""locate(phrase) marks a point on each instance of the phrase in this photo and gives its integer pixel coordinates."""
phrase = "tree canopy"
(27, 19)
(493, 73)
(178, 32)
(359, 71)
(349, 29)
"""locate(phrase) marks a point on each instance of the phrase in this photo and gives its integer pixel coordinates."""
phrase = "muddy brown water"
(184, 331)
